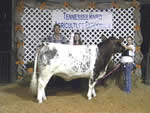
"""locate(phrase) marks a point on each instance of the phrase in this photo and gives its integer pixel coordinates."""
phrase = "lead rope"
(111, 71)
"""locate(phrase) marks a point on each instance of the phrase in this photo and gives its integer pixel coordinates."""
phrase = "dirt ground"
(16, 98)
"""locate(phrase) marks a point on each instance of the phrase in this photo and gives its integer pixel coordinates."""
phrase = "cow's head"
(117, 46)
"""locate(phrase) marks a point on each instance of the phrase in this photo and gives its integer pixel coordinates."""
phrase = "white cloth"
(126, 59)
(131, 52)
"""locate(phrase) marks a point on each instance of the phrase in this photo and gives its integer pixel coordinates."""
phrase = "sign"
(82, 20)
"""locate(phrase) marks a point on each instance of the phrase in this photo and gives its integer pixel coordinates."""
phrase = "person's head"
(77, 39)
(129, 40)
(56, 28)
(76, 36)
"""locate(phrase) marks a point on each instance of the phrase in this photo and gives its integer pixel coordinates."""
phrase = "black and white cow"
(71, 62)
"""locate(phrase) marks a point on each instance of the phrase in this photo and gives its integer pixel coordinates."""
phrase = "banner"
(82, 20)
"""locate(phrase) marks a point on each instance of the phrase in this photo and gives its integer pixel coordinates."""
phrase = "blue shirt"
(62, 39)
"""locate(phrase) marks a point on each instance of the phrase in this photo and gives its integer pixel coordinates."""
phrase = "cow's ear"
(103, 38)
(120, 40)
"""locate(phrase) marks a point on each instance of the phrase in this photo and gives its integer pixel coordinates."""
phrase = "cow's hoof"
(44, 98)
(94, 95)
(40, 101)
(89, 98)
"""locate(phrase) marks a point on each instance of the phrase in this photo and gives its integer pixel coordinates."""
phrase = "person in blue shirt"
(57, 37)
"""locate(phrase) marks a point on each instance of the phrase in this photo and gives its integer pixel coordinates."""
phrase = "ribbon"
(138, 48)
(20, 6)
(66, 4)
(19, 77)
(19, 62)
(115, 5)
(135, 4)
(137, 27)
(30, 70)
(19, 27)
(20, 44)
(42, 5)
(138, 66)
(92, 5)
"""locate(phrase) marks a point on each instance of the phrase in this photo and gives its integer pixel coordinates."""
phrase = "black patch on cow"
(47, 55)
(81, 66)
(86, 65)
(75, 68)
(70, 55)
(51, 53)
(105, 51)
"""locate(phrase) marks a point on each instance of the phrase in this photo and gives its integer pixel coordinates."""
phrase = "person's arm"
(128, 47)
(133, 48)
(64, 40)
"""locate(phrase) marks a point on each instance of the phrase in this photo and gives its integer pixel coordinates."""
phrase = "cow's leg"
(89, 94)
(95, 82)
(42, 82)
(101, 74)
(43, 94)
(93, 90)
(41, 89)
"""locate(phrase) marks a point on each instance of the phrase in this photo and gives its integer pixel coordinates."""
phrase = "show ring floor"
(15, 98)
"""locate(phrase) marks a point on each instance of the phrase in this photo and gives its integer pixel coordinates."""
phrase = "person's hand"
(124, 46)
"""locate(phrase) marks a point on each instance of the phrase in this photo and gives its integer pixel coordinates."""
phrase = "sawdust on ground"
(15, 98)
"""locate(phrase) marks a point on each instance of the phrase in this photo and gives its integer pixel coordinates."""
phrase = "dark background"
(5, 25)
(5, 40)
(145, 47)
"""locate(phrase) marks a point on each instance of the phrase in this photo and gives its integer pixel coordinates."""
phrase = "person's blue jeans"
(127, 76)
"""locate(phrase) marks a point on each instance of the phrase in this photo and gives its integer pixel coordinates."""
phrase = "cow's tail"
(33, 84)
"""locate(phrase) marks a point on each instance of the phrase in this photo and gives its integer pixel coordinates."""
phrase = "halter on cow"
(72, 62)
